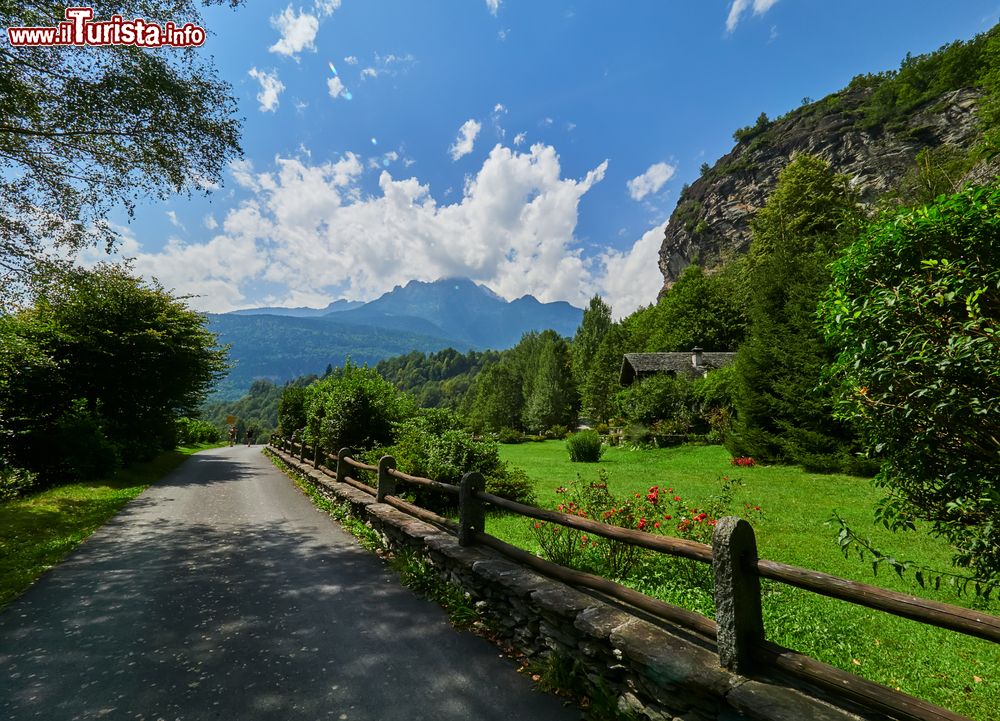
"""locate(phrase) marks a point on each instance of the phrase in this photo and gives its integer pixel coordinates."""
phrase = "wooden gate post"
(471, 509)
(737, 593)
(342, 454)
(386, 483)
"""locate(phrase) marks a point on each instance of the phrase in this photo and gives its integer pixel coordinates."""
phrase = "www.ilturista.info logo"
(80, 29)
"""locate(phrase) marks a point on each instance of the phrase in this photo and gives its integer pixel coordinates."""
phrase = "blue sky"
(536, 146)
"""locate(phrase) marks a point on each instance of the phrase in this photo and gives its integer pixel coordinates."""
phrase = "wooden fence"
(738, 627)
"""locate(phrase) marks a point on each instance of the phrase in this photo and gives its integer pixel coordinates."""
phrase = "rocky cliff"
(712, 219)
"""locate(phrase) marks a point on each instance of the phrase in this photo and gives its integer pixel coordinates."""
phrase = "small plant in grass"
(563, 675)
(418, 574)
(509, 435)
(578, 549)
(742, 462)
(15, 482)
(585, 447)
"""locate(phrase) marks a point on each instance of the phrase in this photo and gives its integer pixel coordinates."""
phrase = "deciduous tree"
(84, 130)
(913, 311)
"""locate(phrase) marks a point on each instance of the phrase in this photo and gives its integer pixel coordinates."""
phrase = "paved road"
(222, 593)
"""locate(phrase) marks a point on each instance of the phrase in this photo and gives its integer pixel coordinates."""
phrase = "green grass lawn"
(39, 531)
(944, 667)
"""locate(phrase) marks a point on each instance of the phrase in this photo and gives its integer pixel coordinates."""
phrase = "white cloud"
(519, 138)
(351, 60)
(650, 181)
(298, 32)
(308, 229)
(210, 222)
(632, 278)
(335, 87)
(493, 5)
(499, 110)
(738, 8)
(174, 221)
(390, 65)
(326, 7)
(466, 138)
(270, 89)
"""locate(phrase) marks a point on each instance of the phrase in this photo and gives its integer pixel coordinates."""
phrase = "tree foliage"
(699, 310)
(354, 407)
(83, 130)
(783, 413)
(436, 380)
(913, 311)
(104, 363)
(593, 327)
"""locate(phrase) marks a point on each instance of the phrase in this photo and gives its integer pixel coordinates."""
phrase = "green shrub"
(558, 431)
(354, 407)
(638, 434)
(433, 445)
(15, 482)
(510, 435)
(585, 447)
(512, 483)
(82, 448)
(193, 431)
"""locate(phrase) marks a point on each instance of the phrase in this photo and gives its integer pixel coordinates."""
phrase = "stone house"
(696, 364)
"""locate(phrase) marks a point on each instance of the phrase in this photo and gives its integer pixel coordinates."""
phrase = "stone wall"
(657, 670)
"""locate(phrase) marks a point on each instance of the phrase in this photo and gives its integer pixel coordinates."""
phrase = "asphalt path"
(222, 593)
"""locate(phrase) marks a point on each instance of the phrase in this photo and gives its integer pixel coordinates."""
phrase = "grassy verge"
(39, 531)
(946, 668)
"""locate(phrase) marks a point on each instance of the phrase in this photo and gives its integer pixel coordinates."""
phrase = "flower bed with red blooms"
(743, 462)
(658, 511)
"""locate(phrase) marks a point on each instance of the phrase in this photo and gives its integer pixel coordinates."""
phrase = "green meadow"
(944, 667)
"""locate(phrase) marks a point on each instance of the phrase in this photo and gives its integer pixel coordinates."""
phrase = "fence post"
(386, 483)
(316, 455)
(302, 451)
(471, 509)
(342, 464)
(737, 593)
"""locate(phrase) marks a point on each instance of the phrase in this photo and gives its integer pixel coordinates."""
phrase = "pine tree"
(594, 326)
(552, 400)
(783, 412)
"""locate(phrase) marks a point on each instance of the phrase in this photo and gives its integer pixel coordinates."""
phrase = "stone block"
(778, 703)
(669, 660)
(599, 621)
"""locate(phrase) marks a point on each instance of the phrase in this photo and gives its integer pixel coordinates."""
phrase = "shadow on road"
(158, 616)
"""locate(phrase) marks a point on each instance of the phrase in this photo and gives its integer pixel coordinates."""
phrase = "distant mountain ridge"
(469, 312)
(301, 311)
(281, 343)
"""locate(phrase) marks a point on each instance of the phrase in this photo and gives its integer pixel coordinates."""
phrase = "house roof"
(637, 365)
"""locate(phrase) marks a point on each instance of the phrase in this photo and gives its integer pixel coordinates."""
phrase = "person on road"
(251, 434)
(232, 435)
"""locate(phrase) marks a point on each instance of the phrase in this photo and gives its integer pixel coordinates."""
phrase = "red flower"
(656, 525)
(667, 518)
(642, 523)
(677, 498)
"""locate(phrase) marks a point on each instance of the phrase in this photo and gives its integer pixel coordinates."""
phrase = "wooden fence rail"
(738, 628)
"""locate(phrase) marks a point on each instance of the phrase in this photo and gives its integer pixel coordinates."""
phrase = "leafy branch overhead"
(83, 132)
